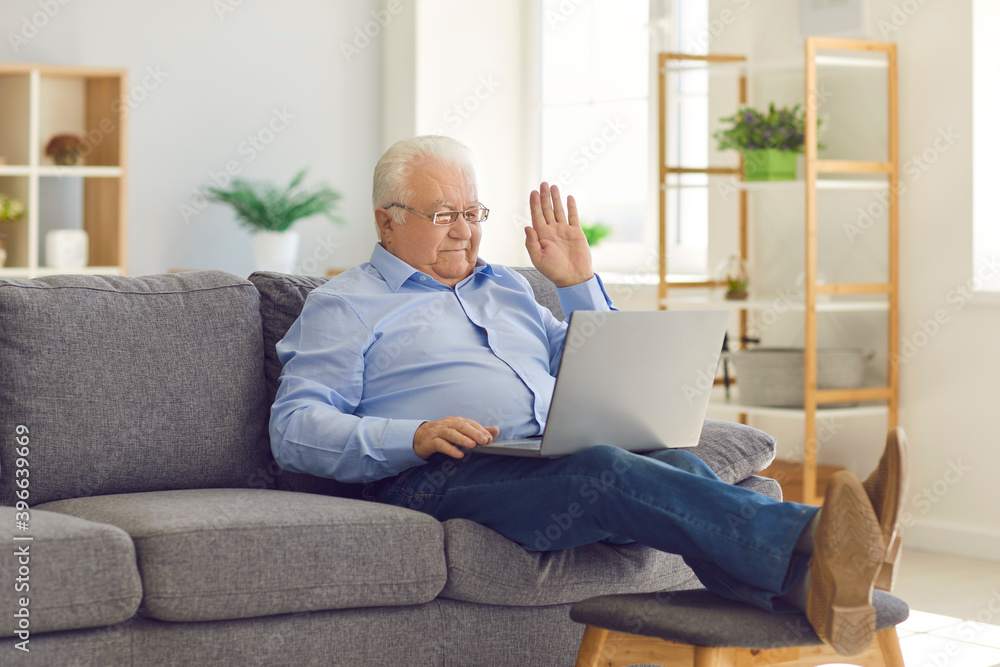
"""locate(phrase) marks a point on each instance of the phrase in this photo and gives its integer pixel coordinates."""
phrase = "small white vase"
(66, 248)
(275, 251)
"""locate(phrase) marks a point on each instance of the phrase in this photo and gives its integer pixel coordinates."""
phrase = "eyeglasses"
(471, 215)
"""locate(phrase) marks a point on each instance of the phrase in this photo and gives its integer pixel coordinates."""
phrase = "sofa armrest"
(71, 573)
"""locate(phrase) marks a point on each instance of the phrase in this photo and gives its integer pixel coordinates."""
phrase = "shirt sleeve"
(589, 295)
(312, 427)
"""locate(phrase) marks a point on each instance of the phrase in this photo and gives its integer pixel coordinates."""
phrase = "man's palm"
(555, 241)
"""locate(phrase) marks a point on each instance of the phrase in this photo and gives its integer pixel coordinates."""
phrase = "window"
(594, 117)
(687, 132)
(598, 123)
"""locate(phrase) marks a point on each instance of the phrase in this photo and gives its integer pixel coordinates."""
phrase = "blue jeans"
(739, 543)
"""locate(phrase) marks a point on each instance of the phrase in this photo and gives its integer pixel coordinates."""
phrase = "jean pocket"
(418, 488)
(376, 490)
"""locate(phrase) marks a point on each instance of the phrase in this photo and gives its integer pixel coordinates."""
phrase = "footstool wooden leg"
(713, 656)
(611, 648)
(593, 642)
(888, 642)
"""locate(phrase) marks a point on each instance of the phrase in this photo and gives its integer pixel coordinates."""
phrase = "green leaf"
(262, 206)
(595, 232)
(751, 129)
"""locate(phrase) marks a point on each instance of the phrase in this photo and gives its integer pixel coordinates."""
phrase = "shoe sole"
(891, 492)
(848, 554)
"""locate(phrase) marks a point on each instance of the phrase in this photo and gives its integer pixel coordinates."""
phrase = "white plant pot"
(275, 251)
(66, 248)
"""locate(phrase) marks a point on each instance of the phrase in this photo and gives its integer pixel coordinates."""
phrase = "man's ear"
(384, 223)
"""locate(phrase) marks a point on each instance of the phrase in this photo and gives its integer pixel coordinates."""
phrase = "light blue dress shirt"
(383, 347)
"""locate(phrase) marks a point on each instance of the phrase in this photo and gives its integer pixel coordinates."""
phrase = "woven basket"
(775, 377)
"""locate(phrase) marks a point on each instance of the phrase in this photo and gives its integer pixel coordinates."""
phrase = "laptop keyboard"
(524, 443)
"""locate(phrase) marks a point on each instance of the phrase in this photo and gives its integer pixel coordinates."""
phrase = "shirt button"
(423, 278)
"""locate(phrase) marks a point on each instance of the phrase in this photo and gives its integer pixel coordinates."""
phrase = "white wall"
(948, 385)
(224, 67)
(472, 89)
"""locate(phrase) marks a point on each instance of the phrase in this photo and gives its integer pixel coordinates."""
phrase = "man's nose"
(461, 228)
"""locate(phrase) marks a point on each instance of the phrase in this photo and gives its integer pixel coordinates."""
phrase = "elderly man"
(399, 368)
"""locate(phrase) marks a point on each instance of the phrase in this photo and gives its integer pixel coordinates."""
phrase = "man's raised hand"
(555, 241)
(449, 435)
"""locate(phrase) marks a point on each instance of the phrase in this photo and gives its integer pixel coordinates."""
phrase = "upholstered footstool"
(697, 627)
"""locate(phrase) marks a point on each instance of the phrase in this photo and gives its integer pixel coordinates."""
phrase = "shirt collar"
(395, 271)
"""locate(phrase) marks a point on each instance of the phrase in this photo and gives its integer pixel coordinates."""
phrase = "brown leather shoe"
(843, 567)
(886, 488)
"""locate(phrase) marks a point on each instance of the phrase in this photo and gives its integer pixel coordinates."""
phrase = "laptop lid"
(640, 380)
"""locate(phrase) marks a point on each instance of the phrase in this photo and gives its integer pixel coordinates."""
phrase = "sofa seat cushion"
(211, 554)
(130, 384)
(485, 567)
(72, 573)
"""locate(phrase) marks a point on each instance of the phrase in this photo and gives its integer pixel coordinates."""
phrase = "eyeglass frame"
(434, 214)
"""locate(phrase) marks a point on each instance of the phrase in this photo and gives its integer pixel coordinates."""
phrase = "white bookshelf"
(37, 102)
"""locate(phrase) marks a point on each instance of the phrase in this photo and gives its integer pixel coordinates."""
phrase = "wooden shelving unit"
(820, 174)
(37, 102)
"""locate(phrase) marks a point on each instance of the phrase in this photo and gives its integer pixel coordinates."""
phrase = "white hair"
(391, 182)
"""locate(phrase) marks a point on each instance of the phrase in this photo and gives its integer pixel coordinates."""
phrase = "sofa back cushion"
(132, 384)
(281, 299)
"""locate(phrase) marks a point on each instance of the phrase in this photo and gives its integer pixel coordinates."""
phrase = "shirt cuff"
(397, 445)
(588, 295)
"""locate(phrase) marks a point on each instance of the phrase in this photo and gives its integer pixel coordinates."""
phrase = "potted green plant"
(769, 140)
(733, 272)
(595, 232)
(11, 210)
(269, 211)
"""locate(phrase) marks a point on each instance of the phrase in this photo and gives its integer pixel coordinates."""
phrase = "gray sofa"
(160, 531)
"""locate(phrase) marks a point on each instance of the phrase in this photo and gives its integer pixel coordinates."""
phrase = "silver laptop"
(637, 380)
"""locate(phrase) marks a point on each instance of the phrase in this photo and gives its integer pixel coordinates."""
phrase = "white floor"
(955, 610)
